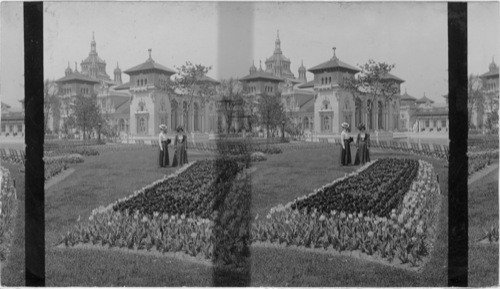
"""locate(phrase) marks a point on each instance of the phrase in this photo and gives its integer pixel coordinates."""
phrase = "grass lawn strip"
(58, 177)
(8, 213)
(481, 173)
(405, 235)
(152, 252)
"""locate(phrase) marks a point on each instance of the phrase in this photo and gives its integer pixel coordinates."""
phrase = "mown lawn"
(113, 175)
(483, 213)
(13, 270)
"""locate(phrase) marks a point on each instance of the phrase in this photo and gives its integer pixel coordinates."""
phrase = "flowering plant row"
(377, 189)
(66, 159)
(404, 235)
(53, 169)
(479, 161)
(84, 151)
(8, 209)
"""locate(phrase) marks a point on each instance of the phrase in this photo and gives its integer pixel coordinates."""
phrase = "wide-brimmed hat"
(163, 126)
(345, 125)
(361, 126)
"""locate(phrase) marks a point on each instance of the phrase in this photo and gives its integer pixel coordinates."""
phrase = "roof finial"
(278, 35)
(76, 67)
(334, 48)
(93, 35)
(149, 53)
(260, 61)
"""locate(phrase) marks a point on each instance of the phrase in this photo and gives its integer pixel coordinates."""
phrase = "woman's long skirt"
(345, 155)
(362, 155)
(180, 156)
(163, 159)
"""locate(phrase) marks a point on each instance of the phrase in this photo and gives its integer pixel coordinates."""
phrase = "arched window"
(196, 117)
(326, 123)
(330, 79)
(174, 108)
(141, 128)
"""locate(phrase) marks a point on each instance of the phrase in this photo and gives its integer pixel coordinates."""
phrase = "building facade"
(12, 121)
(430, 117)
(333, 105)
(490, 97)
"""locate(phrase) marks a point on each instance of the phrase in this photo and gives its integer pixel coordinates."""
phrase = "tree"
(51, 104)
(231, 100)
(192, 83)
(86, 113)
(474, 96)
(271, 112)
(372, 83)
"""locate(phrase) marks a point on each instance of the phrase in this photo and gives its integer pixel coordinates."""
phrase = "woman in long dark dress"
(345, 141)
(180, 146)
(363, 142)
(163, 142)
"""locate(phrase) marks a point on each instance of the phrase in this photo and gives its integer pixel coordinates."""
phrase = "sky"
(230, 36)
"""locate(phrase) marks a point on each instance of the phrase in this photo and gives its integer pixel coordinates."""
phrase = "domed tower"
(93, 66)
(278, 64)
(253, 69)
(277, 43)
(68, 70)
(118, 74)
(302, 72)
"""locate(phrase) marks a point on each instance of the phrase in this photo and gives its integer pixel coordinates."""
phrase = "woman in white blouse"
(163, 142)
(345, 141)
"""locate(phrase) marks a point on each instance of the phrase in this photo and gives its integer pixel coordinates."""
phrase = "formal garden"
(258, 214)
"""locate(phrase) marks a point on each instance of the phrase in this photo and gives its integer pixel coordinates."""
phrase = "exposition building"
(317, 107)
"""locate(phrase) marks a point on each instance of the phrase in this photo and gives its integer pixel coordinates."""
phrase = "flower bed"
(185, 212)
(84, 151)
(64, 159)
(378, 189)
(404, 235)
(479, 161)
(258, 157)
(53, 169)
(8, 210)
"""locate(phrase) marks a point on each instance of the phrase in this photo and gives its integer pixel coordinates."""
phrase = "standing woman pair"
(180, 147)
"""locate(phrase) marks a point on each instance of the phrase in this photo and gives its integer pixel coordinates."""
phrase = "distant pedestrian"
(363, 144)
(163, 143)
(180, 146)
(345, 141)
